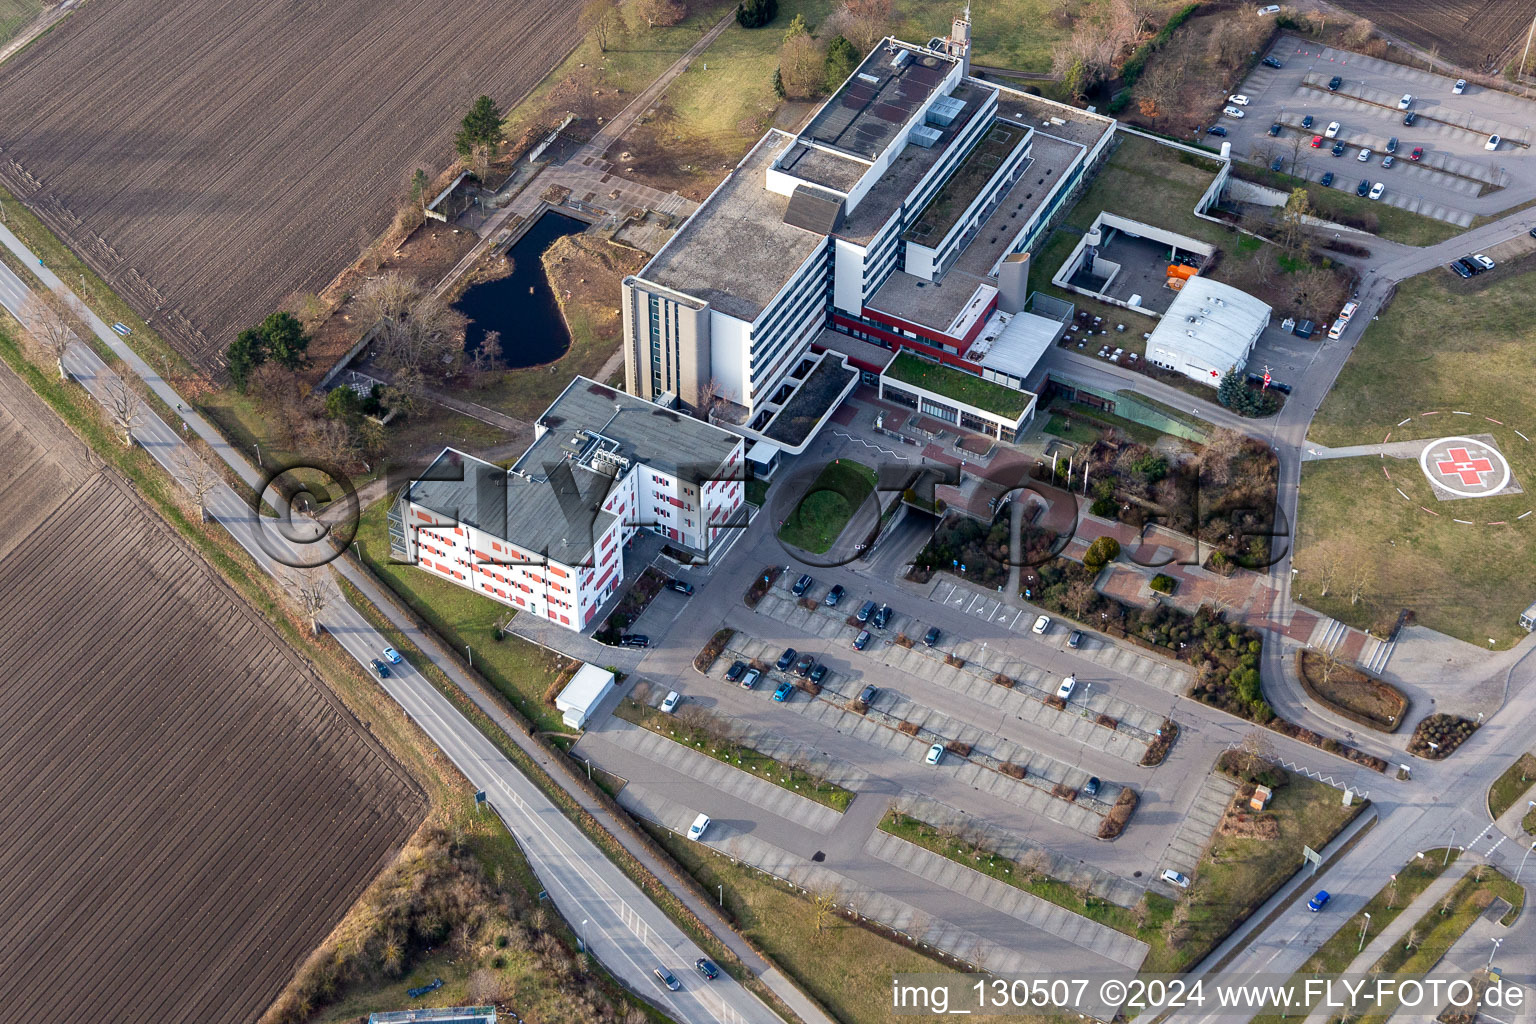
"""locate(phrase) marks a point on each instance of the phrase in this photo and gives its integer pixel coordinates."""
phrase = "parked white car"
(1172, 877)
(935, 753)
(670, 704)
(1365, 155)
(1042, 624)
(1483, 261)
(1232, 112)
(696, 830)
(1406, 101)
(1065, 689)
(1239, 99)
(1460, 86)
(1333, 130)
(1377, 189)
(1493, 142)
(1269, 9)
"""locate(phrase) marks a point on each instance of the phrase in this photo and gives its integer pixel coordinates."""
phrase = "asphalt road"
(621, 926)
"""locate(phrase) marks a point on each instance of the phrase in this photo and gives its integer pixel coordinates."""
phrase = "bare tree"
(1216, 458)
(862, 22)
(802, 66)
(660, 12)
(1035, 861)
(333, 441)
(1257, 751)
(601, 20)
(485, 987)
(488, 352)
(1324, 563)
(824, 903)
(196, 476)
(1328, 662)
(413, 329)
(1080, 597)
(53, 321)
(312, 589)
(1163, 84)
(1359, 576)
(124, 404)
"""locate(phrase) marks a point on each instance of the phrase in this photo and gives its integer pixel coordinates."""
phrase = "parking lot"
(1455, 179)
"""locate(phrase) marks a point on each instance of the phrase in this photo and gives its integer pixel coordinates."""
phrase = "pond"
(522, 305)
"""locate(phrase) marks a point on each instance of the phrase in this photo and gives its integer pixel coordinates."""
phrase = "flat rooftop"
(907, 169)
(939, 305)
(821, 167)
(1049, 159)
(865, 114)
(1058, 119)
(861, 353)
(996, 144)
(736, 252)
(958, 385)
(663, 439)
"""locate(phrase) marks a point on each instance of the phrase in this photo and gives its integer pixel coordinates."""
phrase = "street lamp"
(1448, 849)
(1494, 952)
(1521, 868)
(581, 941)
(1363, 926)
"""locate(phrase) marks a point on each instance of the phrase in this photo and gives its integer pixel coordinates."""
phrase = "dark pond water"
(522, 305)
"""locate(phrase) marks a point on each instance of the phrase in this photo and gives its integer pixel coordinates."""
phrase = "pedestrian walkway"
(1398, 930)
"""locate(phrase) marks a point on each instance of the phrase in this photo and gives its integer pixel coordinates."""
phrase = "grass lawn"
(845, 967)
(827, 505)
(1067, 429)
(1146, 922)
(735, 754)
(1330, 203)
(1143, 180)
(1237, 874)
(517, 668)
(1440, 928)
(1341, 948)
(958, 385)
(1512, 785)
(1442, 348)
(14, 15)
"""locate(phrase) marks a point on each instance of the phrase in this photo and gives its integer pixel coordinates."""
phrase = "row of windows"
(958, 150)
(779, 323)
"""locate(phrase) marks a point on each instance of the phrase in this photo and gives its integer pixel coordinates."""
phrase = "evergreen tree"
(757, 13)
(842, 59)
(244, 354)
(481, 127)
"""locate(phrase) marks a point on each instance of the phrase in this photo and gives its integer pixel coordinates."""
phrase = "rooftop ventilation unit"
(924, 136)
(871, 79)
(901, 59)
(944, 111)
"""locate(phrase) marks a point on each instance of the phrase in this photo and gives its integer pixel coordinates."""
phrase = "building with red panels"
(547, 536)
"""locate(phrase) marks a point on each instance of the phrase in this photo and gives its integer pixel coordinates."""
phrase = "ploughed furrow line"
(249, 150)
(178, 792)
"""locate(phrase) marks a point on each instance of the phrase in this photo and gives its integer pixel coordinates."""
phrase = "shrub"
(1445, 732)
(1119, 815)
(1100, 553)
(756, 13)
(1003, 681)
(711, 650)
(958, 748)
(1013, 771)
(954, 661)
(1163, 584)
(1104, 507)
(1108, 722)
(1158, 749)
(1061, 791)
(762, 584)
(907, 728)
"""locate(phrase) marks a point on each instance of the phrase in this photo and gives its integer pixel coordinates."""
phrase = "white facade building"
(547, 536)
(1209, 329)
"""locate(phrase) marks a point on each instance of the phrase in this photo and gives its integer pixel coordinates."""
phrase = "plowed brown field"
(1477, 34)
(212, 160)
(185, 809)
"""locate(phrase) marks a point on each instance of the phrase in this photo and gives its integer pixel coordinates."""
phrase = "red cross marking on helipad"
(1462, 464)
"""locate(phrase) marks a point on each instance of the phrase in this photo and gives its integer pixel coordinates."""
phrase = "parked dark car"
(834, 595)
(786, 659)
(705, 967)
(1272, 62)
(1319, 901)
(802, 585)
(818, 673)
(667, 978)
(865, 611)
(380, 668)
(1338, 149)
(862, 640)
(736, 671)
(1334, 83)
(931, 637)
(686, 589)
(1459, 270)
(882, 618)
(1363, 188)
(1410, 117)
(1307, 122)
(1471, 264)
(804, 665)
(1277, 163)
(867, 695)
(1218, 130)
(1075, 639)
(634, 640)
(1327, 179)
(1091, 787)
(1275, 128)
(1392, 144)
